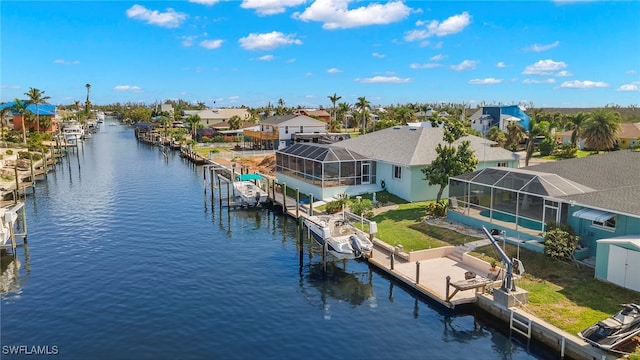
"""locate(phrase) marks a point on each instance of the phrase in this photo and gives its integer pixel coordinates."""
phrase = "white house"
(275, 132)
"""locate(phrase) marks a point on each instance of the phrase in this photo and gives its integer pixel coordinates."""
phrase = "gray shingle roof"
(278, 119)
(415, 146)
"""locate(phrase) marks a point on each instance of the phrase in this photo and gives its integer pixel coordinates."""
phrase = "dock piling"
(417, 272)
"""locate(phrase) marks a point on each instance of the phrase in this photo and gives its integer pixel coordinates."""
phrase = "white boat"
(100, 116)
(8, 217)
(343, 240)
(613, 332)
(72, 132)
(247, 192)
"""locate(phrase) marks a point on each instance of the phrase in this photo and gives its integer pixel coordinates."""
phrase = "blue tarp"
(245, 177)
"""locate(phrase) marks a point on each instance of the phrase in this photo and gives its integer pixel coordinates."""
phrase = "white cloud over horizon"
(270, 7)
(66, 62)
(383, 80)
(540, 48)
(335, 14)
(486, 81)
(534, 81)
(133, 88)
(586, 84)
(424, 66)
(629, 87)
(452, 25)
(205, 2)
(268, 41)
(168, 19)
(544, 67)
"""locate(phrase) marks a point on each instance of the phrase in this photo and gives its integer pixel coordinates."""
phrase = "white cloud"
(169, 19)
(377, 55)
(205, 2)
(234, 99)
(266, 58)
(291, 61)
(465, 65)
(587, 84)
(501, 64)
(539, 48)
(544, 67)
(267, 41)
(383, 80)
(631, 72)
(438, 57)
(533, 81)
(334, 71)
(127, 88)
(564, 73)
(270, 7)
(187, 41)
(335, 14)
(211, 44)
(424, 66)
(66, 62)
(486, 81)
(629, 87)
(452, 25)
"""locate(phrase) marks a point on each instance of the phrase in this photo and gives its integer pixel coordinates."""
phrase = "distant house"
(389, 159)
(317, 114)
(628, 136)
(219, 118)
(500, 116)
(42, 110)
(275, 132)
(598, 196)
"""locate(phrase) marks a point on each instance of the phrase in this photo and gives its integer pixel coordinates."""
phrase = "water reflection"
(11, 282)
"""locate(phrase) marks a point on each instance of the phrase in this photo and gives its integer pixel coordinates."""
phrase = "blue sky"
(252, 52)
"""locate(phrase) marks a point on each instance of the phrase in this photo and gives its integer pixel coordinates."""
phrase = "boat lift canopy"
(247, 177)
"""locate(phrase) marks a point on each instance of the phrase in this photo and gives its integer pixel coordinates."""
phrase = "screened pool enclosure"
(516, 199)
(325, 166)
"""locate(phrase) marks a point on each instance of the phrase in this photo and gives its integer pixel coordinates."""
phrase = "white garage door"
(624, 267)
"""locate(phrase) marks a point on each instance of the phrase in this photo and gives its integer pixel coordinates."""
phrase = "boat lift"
(508, 283)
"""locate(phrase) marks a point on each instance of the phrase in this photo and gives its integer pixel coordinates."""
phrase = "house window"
(607, 224)
(502, 164)
(286, 129)
(301, 129)
(397, 172)
(261, 127)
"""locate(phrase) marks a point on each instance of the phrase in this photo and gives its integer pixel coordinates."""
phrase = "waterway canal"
(127, 259)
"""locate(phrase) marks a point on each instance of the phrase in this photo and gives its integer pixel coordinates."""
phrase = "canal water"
(128, 259)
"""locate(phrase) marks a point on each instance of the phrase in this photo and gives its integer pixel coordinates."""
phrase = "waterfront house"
(389, 159)
(501, 116)
(219, 117)
(316, 114)
(598, 196)
(275, 131)
(44, 111)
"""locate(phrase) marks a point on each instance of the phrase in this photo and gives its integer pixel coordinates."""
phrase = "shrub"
(363, 207)
(568, 152)
(437, 208)
(560, 242)
(547, 146)
(9, 152)
(333, 207)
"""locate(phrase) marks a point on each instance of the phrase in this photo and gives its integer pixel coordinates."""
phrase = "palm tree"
(495, 134)
(37, 97)
(194, 123)
(536, 129)
(21, 108)
(235, 122)
(576, 123)
(3, 112)
(87, 103)
(343, 109)
(362, 105)
(515, 135)
(334, 99)
(601, 129)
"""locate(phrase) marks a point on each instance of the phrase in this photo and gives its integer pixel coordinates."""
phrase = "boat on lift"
(342, 238)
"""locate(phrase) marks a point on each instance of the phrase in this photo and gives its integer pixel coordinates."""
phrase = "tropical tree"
(601, 129)
(495, 134)
(87, 107)
(235, 122)
(36, 97)
(343, 110)
(334, 99)
(536, 129)
(451, 160)
(76, 104)
(280, 110)
(516, 133)
(20, 107)
(3, 121)
(577, 123)
(194, 124)
(363, 105)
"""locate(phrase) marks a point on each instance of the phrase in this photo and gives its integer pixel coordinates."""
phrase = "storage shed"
(618, 261)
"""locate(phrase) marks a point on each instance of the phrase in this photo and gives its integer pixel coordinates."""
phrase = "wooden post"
(447, 290)
(284, 198)
(44, 164)
(297, 203)
(15, 198)
(311, 204)
(219, 191)
(33, 179)
(273, 190)
(24, 224)
(417, 272)
(13, 238)
(204, 181)
(228, 195)
(212, 177)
